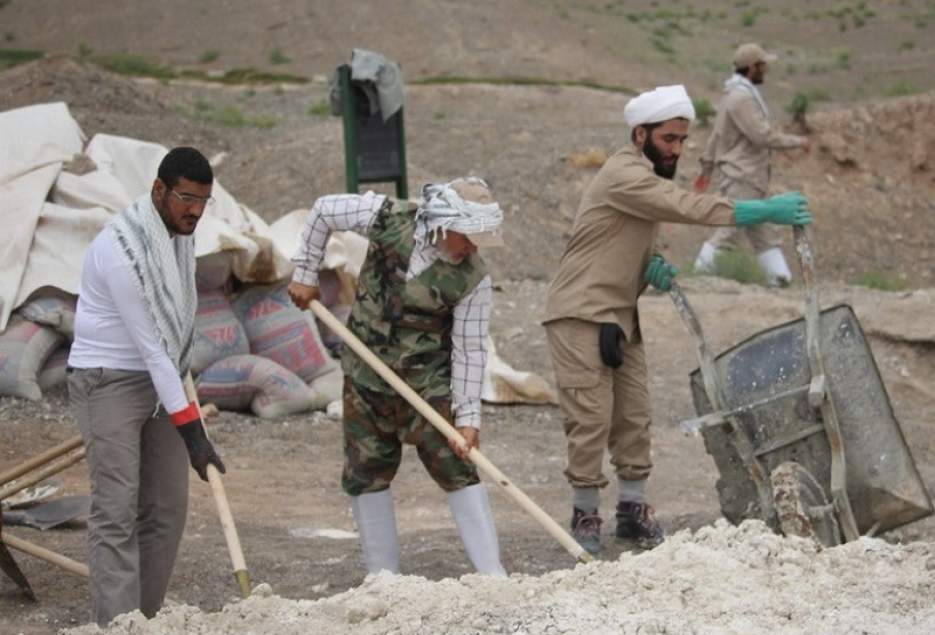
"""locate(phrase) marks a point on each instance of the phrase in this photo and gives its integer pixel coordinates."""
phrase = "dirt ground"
(283, 475)
(870, 180)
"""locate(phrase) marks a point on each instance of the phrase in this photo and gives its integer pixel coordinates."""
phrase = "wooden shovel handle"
(42, 553)
(40, 459)
(224, 511)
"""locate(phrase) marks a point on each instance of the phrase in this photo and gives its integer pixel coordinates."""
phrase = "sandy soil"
(283, 475)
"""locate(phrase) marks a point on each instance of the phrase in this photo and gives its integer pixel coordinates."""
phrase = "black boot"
(637, 521)
(586, 529)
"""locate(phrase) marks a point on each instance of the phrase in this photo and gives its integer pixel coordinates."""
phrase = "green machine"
(374, 149)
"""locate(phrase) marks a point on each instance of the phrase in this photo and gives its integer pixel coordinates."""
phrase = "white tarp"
(34, 142)
(50, 216)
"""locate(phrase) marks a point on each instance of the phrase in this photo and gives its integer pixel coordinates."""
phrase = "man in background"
(739, 149)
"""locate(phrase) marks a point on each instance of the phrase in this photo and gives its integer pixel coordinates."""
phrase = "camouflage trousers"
(376, 425)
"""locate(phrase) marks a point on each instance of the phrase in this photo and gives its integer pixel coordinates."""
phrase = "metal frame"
(818, 398)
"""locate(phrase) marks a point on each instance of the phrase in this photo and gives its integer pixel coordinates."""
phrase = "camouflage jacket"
(407, 324)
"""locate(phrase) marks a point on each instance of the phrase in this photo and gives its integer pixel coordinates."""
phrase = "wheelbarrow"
(800, 426)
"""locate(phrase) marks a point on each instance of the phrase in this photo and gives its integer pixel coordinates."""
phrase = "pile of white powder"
(721, 579)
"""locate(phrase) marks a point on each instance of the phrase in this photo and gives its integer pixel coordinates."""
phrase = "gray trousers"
(762, 237)
(139, 489)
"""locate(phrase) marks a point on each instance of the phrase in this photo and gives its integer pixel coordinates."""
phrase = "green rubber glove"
(660, 273)
(790, 208)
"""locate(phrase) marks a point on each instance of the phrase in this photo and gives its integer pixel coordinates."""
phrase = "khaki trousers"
(139, 489)
(604, 408)
(762, 237)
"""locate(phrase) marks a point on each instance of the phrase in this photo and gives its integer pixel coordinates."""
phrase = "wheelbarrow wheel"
(802, 508)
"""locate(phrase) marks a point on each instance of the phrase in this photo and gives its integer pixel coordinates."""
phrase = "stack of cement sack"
(254, 350)
(34, 347)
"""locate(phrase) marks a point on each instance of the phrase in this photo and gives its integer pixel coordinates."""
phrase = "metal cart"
(800, 426)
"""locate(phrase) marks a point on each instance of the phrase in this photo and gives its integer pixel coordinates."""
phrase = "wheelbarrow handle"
(818, 395)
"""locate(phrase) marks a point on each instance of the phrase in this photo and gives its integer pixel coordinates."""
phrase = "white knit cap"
(658, 105)
(464, 205)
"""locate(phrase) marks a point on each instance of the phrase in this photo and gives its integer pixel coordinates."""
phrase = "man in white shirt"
(133, 340)
(423, 307)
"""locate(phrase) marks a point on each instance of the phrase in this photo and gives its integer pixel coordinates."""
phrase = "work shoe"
(586, 529)
(637, 521)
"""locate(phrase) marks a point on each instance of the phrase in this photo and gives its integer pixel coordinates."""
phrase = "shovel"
(439, 422)
(224, 511)
(50, 514)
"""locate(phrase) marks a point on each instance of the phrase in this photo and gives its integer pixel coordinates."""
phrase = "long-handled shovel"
(224, 511)
(432, 416)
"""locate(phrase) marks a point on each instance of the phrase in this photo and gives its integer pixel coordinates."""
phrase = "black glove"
(200, 451)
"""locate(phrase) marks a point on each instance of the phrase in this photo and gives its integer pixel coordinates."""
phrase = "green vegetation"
(319, 109)
(9, 36)
(138, 66)
(907, 45)
(84, 50)
(208, 56)
(4, 3)
(900, 89)
(248, 76)
(844, 59)
(230, 116)
(739, 266)
(799, 107)
(519, 81)
(438, 115)
(133, 65)
(11, 57)
(276, 56)
(704, 111)
(881, 280)
(662, 45)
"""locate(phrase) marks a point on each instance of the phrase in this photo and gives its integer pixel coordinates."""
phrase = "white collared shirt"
(113, 328)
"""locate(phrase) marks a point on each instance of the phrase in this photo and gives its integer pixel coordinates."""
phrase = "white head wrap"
(660, 104)
(449, 206)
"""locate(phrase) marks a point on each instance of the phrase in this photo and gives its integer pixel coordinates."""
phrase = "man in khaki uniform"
(591, 314)
(739, 147)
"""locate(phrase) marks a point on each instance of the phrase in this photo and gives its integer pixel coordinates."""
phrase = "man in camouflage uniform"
(423, 307)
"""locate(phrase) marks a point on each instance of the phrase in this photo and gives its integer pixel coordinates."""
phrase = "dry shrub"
(590, 158)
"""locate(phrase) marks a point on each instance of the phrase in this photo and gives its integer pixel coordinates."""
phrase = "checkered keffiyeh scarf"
(443, 209)
(164, 273)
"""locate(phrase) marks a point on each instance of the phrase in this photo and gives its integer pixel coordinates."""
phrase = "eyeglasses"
(191, 199)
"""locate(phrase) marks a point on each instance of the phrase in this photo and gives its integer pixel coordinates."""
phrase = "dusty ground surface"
(870, 180)
(283, 475)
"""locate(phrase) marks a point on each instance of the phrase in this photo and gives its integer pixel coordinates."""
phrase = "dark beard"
(162, 208)
(653, 154)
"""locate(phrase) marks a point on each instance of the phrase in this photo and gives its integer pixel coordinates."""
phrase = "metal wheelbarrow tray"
(804, 403)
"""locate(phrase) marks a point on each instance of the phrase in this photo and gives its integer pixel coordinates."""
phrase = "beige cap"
(472, 189)
(749, 54)
(477, 191)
